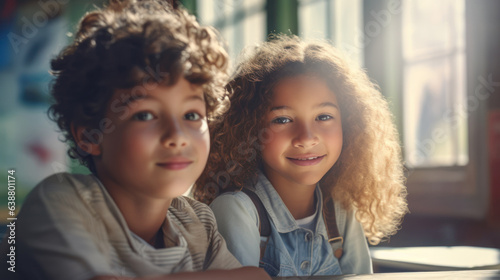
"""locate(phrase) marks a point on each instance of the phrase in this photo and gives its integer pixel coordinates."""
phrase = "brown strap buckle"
(336, 239)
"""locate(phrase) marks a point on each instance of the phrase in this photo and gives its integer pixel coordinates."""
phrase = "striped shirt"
(70, 228)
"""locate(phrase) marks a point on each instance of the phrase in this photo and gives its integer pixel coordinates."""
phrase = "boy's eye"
(143, 116)
(192, 116)
(324, 117)
(281, 120)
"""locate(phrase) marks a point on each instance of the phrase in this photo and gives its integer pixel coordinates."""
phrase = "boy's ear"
(84, 142)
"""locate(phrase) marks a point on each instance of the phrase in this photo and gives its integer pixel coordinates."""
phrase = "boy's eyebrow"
(133, 98)
(321, 105)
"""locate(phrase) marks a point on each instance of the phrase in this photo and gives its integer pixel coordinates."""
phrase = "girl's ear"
(84, 141)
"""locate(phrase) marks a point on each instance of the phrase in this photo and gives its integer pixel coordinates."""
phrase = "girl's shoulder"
(183, 207)
(234, 204)
(233, 199)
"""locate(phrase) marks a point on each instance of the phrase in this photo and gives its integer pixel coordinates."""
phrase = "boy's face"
(160, 141)
(306, 132)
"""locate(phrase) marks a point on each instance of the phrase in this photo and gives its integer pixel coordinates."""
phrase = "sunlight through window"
(435, 105)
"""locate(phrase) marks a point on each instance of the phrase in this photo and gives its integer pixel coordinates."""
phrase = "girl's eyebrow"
(327, 104)
(279, 108)
(321, 105)
(195, 97)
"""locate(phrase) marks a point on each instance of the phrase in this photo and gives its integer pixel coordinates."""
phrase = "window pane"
(432, 27)
(312, 19)
(205, 11)
(434, 101)
(241, 22)
(255, 28)
(339, 21)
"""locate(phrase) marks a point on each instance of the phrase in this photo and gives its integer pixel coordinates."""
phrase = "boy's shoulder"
(65, 178)
(184, 204)
(60, 190)
(194, 216)
(64, 183)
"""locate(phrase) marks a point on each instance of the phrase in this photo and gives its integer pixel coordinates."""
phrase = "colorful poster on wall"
(30, 36)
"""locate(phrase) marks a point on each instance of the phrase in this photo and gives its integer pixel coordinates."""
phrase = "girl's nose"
(306, 137)
(174, 136)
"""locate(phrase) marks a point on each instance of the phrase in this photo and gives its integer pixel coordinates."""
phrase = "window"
(441, 127)
(435, 115)
(335, 20)
(425, 58)
(240, 22)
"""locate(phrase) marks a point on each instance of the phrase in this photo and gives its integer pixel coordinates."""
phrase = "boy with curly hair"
(133, 95)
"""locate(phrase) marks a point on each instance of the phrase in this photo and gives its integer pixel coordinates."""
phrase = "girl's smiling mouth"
(306, 160)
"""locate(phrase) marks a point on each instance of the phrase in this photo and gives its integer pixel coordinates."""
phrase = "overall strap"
(264, 224)
(334, 237)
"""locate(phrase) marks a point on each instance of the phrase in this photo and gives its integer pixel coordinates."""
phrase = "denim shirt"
(291, 250)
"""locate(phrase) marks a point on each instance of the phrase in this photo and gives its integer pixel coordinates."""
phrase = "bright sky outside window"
(434, 100)
(336, 20)
(241, 22)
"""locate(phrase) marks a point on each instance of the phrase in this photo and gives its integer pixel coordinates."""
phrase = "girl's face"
(305, 131)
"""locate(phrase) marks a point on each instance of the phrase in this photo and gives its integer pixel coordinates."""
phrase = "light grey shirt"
(70, 228)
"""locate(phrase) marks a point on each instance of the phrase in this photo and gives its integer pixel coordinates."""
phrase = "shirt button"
(304, 265)
(308, 237)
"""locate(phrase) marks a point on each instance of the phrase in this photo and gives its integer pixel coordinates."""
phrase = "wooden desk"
(440, 275)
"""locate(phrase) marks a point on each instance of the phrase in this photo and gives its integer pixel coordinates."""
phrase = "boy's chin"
(174, 191)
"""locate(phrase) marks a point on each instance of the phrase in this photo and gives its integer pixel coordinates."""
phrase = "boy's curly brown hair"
(126, 44)
(368, 175)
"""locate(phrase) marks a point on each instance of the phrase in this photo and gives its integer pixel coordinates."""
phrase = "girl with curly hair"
(132, 95)
(305, 165)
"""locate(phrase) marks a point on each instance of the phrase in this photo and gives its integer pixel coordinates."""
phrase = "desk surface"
(462, 274)
(436, 258)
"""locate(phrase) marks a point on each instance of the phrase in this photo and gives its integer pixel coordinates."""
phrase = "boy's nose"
(306, 137)
(174, 136)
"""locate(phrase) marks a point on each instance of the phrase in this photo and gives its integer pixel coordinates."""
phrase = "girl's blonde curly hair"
(368, 176)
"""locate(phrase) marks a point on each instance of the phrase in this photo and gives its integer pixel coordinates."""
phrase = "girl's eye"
(192, 116)
(324, 117)
(143, 116)
(281, 120)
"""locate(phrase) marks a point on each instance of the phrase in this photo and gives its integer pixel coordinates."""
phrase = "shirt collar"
(277, 211)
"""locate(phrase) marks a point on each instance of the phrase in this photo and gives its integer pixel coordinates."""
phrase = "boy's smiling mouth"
(306, 160)
(176, 163)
